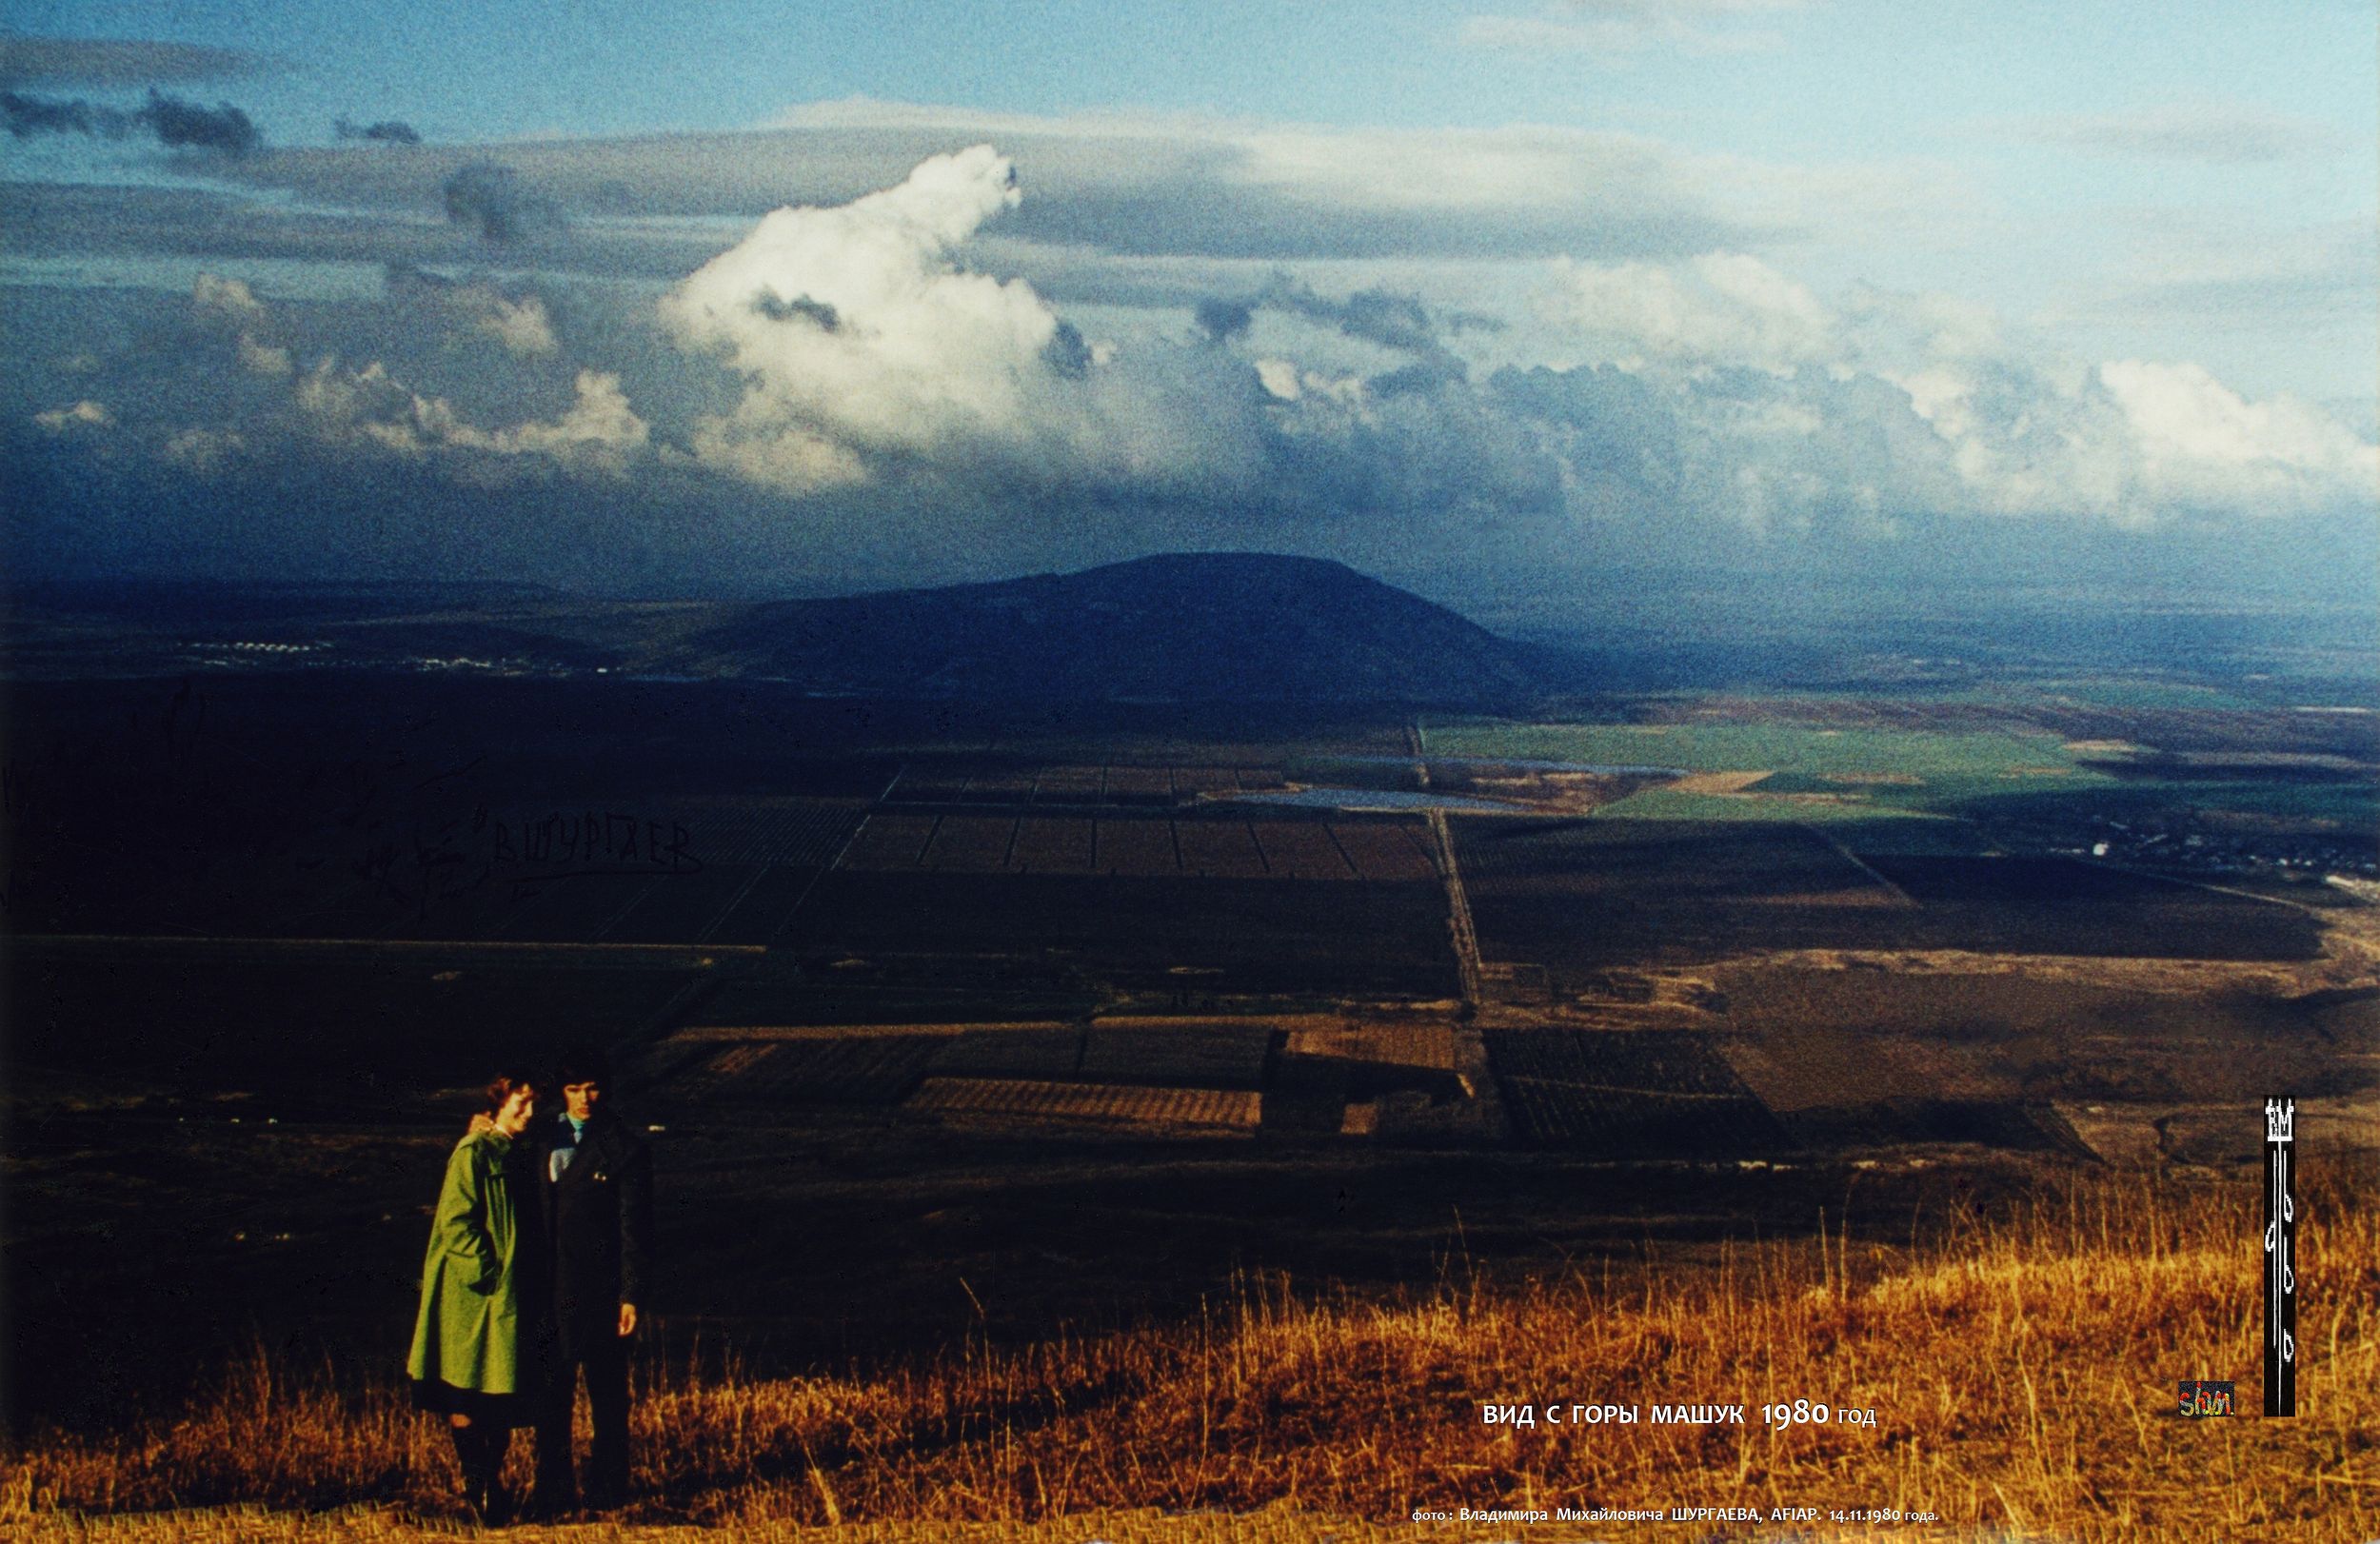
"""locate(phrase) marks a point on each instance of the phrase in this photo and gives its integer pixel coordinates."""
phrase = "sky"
(1537, 298)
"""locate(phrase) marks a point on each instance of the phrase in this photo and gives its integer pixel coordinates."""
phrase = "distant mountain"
(1242, 627)
(1204, 626)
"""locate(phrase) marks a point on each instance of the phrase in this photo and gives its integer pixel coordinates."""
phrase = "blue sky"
(2055, 271)
(1832, 79)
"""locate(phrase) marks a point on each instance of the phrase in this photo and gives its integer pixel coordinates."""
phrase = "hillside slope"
(1239, 626)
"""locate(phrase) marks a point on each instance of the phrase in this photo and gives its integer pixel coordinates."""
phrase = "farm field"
(1186, 1109)
(1621, 1095)
(1577, 896)
(1205, 844)
(940, 781)
(1927, 768)
(1967, 1035)
(793, 1071)
(1028, 1007)
(1997, 757)
(1242, 932)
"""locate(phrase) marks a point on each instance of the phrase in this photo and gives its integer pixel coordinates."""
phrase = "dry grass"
(2020, 1373)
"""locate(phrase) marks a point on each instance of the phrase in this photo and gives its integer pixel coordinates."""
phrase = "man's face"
(579, 1100)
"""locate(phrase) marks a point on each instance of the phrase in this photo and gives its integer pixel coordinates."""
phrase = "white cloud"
(2202, 446)
(520, 321)
(1891, 403)
(1721, 307)
(231, 302)
(874, 367)
(204, 451)
(85, 414)
(854, 326)
(857, 332)
(213, 294)
(862, 340)
(1280, 377)
(263, 359)
(339, 399)
(598, 432)
(523, 326)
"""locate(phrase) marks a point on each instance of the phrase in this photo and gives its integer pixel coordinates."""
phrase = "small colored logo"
(2204, 1396)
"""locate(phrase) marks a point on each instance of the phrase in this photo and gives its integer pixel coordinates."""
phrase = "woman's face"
(513, 1119)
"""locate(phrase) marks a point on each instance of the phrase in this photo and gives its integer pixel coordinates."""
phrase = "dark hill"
(1241, 626)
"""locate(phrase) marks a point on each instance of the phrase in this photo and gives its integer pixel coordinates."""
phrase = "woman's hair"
(504, 1085)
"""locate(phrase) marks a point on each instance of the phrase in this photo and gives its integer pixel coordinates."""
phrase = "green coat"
(470, 1333)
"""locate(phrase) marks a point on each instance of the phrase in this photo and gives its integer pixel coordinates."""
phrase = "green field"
(1951, 769)
(1906, 826)
(1906, 777)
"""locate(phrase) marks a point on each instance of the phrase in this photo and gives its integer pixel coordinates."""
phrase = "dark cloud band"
(499, 204)
(174, 123)
(387, 131)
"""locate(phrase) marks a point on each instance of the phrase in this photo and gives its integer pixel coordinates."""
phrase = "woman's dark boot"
(479, 1452)
(466, 1461)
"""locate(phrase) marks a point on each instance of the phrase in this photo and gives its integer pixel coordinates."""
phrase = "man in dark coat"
(598, 1219)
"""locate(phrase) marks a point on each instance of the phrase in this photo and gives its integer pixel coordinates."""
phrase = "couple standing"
(536, 1266)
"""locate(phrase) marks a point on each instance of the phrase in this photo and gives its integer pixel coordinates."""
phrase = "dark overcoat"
(599, 1223)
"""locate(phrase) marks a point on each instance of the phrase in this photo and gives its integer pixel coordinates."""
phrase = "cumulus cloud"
(213, 294)
(203, 451)
(339, 399)
(1719, 308)
(262, 358)
(1281, 378)
(516, 317)
(857, 332)
(85, 414)
(1744, 396)
(1395, 320)
(600, 432)
(233, 302)
(862, 340)
(522, 325)
(2202, 445)
(870, 376)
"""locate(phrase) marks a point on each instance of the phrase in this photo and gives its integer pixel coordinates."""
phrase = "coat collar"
(603, 1132)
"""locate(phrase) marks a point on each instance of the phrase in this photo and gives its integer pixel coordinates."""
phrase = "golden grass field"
(2022, 1372)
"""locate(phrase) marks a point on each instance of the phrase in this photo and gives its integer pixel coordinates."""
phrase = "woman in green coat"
(477, 1340)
